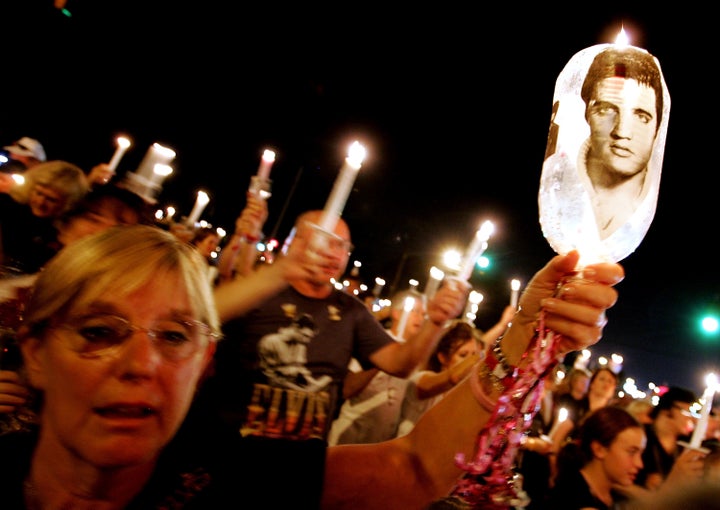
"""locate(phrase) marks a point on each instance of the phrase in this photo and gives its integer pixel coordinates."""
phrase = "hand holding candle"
(341, 189)
(122, 145)
(476, 248)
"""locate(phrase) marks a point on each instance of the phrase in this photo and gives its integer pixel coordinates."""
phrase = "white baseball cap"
(27, 147)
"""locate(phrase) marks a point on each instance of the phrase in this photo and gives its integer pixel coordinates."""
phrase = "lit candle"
(436, 276)
(122, 145)
(582, 359)
(701, 427)
(616, 363)
(562, 416)
(268, 158)
(341, 189)
(476, 248)
(407, 308)
(200, 203)
(379, 284)
(568, 184)
(473, 304)
(260, 183)
(514, 292)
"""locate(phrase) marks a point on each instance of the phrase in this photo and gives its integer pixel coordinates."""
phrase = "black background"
(452, 103)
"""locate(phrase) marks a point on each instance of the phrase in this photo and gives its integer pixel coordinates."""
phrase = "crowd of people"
(151, 375)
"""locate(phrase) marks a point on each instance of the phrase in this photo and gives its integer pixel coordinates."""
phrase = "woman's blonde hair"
(67, 179)
(117, 262)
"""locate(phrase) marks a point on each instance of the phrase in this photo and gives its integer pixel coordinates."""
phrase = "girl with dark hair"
(607, 452)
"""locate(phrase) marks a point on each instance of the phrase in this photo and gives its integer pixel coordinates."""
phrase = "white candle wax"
(122, 145)
(477, 247)
(200, 203)
(160, 171)
(341, 189)
(268, 158)
(472, 305)
(407, 308)
(514, 292)
(379, 284)
(701, 426)
(436, 276)
(156, 154)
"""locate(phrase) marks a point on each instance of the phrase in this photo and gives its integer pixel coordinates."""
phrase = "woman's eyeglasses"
(103, 335)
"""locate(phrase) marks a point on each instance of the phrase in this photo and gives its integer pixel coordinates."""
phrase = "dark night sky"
(453, 107)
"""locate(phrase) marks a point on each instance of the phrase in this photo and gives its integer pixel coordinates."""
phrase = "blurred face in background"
(109, 212)
(208, 245)
(604, 384)
(467, 349)
(331, 249)
(623, 458)
(46, 202)
(682, 418)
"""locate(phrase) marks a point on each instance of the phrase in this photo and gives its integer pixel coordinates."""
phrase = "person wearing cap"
(23, 154)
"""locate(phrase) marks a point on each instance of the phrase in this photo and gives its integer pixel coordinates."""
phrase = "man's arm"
(416, 469)
(238, 256)
(402, 358)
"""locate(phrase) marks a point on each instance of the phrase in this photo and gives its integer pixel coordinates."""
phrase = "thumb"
(545, 282)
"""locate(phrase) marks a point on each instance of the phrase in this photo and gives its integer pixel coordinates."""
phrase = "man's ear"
(32, 349)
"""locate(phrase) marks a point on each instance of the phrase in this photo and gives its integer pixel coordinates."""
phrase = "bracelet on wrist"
(498, 363)
(501, 373)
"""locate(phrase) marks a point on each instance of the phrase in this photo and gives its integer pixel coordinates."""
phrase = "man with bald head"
(248, 388)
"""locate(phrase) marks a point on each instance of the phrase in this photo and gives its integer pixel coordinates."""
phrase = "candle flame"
(356, 155)
(711, 381)
(436, 273)
(622, 38)
(165, 151)
(486, 230)
(515, 284)
(475, 297)
(162, 170)
(123, 142)
(409, 303)
(268, 156)
(562, 414)
(202, 197)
